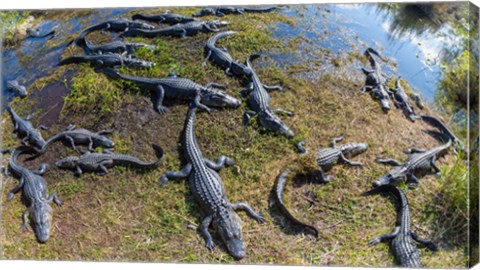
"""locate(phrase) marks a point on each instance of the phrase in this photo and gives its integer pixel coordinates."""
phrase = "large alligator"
(15, 87)
(168, 18)
(25, 131)
(180, 88)
(107, 60)
(178, 30)
(278, 190)
(376, 80)
(400, 99)
(100, 162)
(117, 46)
(221, 57)
(260, 103)
(402, 237)
(34, 191)
(327, 157)
(207, 188)
(222, 11)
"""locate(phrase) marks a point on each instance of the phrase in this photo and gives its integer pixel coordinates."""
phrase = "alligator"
(35, 33)
(327, 157)
(15, 87)
(107, 60)
(178, 30)
(78, 136)
(402, 237)
(443, 128)
(400, 99)
(278, 196)
(168, 18)
(118, 46)
(34, 191)
(260, 102)
(418, 100)
(99, 162)
(221, 57)
(25, 131)
(207, 188)
(180, 88)
(222, 11)
(376, 80)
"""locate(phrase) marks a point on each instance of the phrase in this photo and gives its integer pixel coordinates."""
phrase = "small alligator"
(34, 191)
(180, 88)
(327, 157)
(17, 88)
(402, 237)
(221, 57)
(107, 60)
(418, 100)
(376, 80)
(278, 196)
(168, 18)
(25, 131)
(222, 11)
(207, 188)
(178, 30)
(99, 162)
(118, 46)
(78, 136)
(260, 103)
(400, 99)
(35, 33)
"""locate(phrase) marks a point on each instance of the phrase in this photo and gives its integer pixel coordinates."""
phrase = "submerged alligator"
(376, 80)
(278, 190)
(15, 87)
(207, 188)
(34, 191)
(222, 11)
(260, 103)
(327, 157)
(25, 131)
(100, 162)
(221, 57)
(168, 18)
(400, 99)
(402, 237)
(35, 33)
(107, 60)
(118, 46)
(180, 88)
(178, 30)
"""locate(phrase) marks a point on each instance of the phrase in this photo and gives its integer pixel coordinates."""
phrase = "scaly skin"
(207, 188)
(181, 30)
(25, 130)
(376, 81)
(35, 33)
(118, 46)
(168, 18)
(222, 11)
(400, 99)
(107, 60)
(15, 87)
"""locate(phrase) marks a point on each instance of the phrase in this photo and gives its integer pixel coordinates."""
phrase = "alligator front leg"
(273, 87)
(429, 244)
(385, 237)
(250, 212)
(221, 162)
(204, 64)
(352, 163)
(245, 92)
(54, 197)
(366, 88)
(15, 189)
(160, 94)
(41, 169)
(204, 232)
(388, 161)
(216, 85)
(175, 175)
(412, 179)
(200, 105)
(335, 140)
(246, 117)
(289, 113)
(323, 178)
(438, 173)
(414, 151)
(78, 171)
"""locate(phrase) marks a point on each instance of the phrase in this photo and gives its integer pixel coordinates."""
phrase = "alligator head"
(36, 139)
(216, 23)
(354, 149)
(41, 216)
(141, 25)
(396, 174)
(227, 225)
(382, 96)
(17, 88)
(68, 163)
(204, 12)
(104, 142)
(135, 62)
(274, 123)
(216, 98)
(241, 69)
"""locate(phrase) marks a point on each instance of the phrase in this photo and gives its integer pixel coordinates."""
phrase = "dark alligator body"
(400, 99)
(180, 88)
(34, 191)
(402, 237)
(168, 18)
(178, 30)
(259, 101)
(35, 33)
(207, 188)
(221, 57)
(100, 162)
(376, 80)
(25, 131)
(327, 157)
(222, 11)
(15, 87)
(118, 46)
(278, 191)
(107, 60)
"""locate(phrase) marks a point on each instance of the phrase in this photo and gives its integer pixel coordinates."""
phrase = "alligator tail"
(278, 195)
(72, 60)
(370, 50)
(437, 124)
(138, 17)
(45, 146)
(220, 35)
(251, 58)
(129, 160)
(396, 191)
(260, 10)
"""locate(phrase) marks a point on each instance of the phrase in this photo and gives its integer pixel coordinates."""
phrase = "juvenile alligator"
(35, 33)
(78, 136)
(418, 100)
(278, 195)
(168, 18)
(376, 80)
(25, 131)
(35, 192)
(180, 88)
(178, 30)
(118, 46)
(327, 157)
(400, 99)
(222, 11)
(221, 57)
(17, 88)
(107, 60)
(402, 237)
(99, 162)
(260, 103)
(207, 188)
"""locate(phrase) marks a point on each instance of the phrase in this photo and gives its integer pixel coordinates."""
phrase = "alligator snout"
(235, 248)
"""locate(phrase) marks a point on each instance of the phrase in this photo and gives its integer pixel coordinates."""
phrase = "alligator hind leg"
(289, 113)
(352, 163)
(414, 151)
(429, 244)
(221, 162)
(54, 197)
(438, 173)
(385, 237)
(42, 127)
(160, 94)
(246, 117)
(175, 175)
(388, 161)
(41, 169)
(204, 232)
(412, 179)
(204, 64)
(15, 189)
(102, 167)
(335, 140)
(216, 85)
(273, 87)
(250, 212)
(323, 178)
